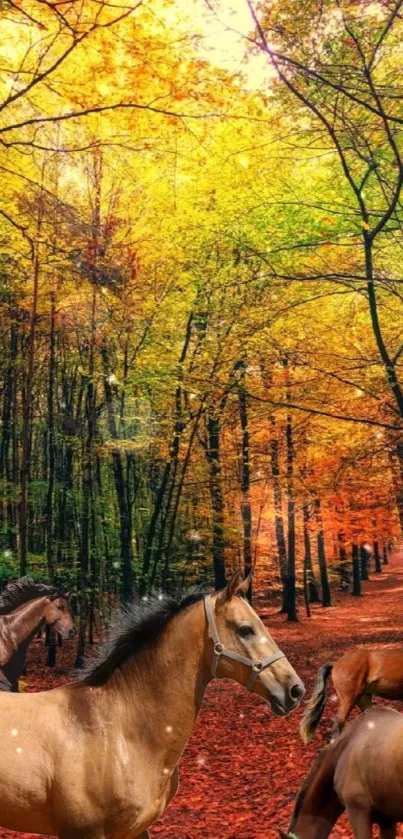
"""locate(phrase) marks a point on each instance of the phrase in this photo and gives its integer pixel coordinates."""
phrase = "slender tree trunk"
(8, 397)
(246, 509)
(356, 591)
(178, 496)
(343, 562)
(216, 495)
(8, 431)
(28, 398)
(87, 477)
(278, 513)
(364, 563)
(290, 580)
(50, 551)
(385, 560)
(377, 558)
(311, 586)
(121, 489)
(173, 456)
(324, 580)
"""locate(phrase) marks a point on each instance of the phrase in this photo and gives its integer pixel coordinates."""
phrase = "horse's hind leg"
(360, 821)
(387, 831)
(346, 705)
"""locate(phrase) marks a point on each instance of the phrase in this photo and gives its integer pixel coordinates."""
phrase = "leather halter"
(219, 650)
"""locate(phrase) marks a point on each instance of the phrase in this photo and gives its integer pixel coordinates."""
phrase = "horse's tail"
(316, 704)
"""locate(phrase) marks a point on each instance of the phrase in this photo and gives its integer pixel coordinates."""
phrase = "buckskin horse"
(357, 676)
(360, 772)
(98, 758)
(24, 605)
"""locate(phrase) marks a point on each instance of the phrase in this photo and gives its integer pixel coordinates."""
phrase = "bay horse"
(98, 758)
(357, 676)
(359, 772)
(24, 606)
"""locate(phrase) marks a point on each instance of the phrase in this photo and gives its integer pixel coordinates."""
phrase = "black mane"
(21, 591)
(134, 630)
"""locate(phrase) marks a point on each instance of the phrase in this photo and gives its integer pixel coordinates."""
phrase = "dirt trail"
(242, 767)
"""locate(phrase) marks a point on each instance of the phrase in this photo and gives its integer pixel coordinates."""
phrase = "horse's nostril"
(297, 691)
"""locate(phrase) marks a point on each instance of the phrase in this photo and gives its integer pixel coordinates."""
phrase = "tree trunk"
(28, 398)
(278, 513)
(87, 477)
(377, 558)
(292, 614)
(121, 489)
(216, 495)
(50, 552)
(311, 586)
(8, 431)
(364, 563)
(356, 591)
(343, 562)
(324, 580)
(246, 509)
(172, 459)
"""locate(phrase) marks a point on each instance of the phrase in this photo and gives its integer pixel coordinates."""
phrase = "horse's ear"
(229, 589)
(244, 586)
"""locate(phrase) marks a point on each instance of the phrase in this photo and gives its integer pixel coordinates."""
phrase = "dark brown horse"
(24, 606)
(360, 772)
(357, 676)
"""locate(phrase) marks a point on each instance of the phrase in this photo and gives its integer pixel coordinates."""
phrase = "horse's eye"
(245, 631)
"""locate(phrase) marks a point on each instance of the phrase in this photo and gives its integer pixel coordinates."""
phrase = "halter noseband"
(219, 650)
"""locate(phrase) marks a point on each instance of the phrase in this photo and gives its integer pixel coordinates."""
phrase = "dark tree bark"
(246, 509)
(51, 444)
(311, 585)
(8, 431)
(179, 426)
(87, 478)
(343, 561)
(28, 397)
(121, 488)
(364, 563)
(213, 454)
(385, 560)
(356, 590)
(377, 558)
(278, 512)
(291, 602)
(324, 579)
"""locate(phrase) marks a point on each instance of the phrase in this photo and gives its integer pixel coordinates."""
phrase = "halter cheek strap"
(219, 650)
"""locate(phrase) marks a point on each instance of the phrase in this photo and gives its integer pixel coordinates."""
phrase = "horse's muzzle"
(288, 700)
(72, 633)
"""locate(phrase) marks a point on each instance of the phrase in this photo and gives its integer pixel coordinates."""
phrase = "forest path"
(243, 766)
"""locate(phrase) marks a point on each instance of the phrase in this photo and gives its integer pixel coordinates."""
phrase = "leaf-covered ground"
(243, 766)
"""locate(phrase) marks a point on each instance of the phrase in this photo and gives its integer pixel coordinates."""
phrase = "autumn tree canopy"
(200, 294)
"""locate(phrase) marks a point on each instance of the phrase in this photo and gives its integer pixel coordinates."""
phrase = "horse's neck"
(166, 687)
(317, 806)
(24, 622)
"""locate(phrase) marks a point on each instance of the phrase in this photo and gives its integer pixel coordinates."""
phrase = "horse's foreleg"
(360, 821)
(387, 831)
